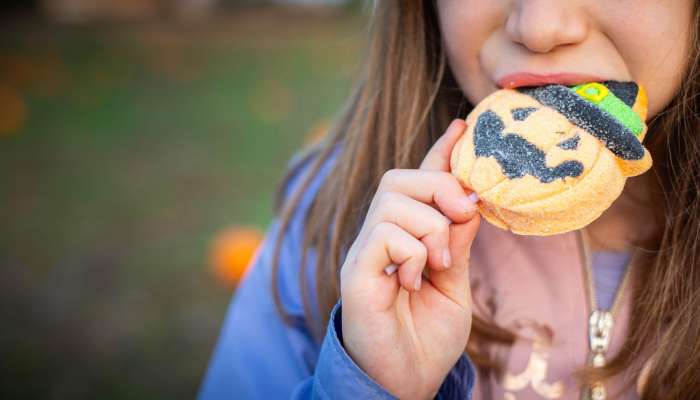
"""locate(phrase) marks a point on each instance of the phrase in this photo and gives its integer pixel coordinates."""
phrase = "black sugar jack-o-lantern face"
(533, 155)
(516, 155)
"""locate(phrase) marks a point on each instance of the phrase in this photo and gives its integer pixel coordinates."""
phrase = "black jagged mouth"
(516, 156)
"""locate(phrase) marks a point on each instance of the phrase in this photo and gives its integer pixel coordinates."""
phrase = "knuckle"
(420, 251)
(388, 177)
(387, 200)
(442, 224)
(437, 222)
(381, 231)
(446, 178)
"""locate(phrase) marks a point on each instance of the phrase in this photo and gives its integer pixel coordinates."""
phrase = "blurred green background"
(127, 147)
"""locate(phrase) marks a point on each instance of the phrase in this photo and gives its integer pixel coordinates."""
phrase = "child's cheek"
(655, 46)
(466, 27)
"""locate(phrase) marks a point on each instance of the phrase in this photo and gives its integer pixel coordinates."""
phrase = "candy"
(550, 159)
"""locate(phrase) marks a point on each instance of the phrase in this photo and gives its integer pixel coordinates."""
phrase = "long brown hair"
(404, 97)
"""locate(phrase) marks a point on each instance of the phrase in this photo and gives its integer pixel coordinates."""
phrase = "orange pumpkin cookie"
(550, 159)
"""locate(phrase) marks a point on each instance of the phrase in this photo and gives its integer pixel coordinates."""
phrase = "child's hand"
(404, 330)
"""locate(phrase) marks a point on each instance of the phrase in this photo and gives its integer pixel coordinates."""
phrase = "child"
(378, 279)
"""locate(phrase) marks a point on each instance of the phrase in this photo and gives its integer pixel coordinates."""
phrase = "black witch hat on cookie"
(612, 111)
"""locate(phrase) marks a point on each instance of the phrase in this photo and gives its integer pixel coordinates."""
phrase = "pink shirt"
(535, 287)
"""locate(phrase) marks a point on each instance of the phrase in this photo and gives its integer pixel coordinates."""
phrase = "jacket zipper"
(600, 321)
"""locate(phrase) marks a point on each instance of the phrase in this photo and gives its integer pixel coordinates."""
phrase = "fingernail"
(468, 204)
(473, 197)
(390, 269)
(418, 282)
(446, 258)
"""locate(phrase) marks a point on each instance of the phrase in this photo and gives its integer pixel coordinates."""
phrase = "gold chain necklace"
(600, 321)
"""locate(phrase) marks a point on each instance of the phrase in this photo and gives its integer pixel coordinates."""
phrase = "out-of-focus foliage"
(125, 151)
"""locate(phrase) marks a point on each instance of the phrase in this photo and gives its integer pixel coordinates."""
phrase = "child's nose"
(543, 25)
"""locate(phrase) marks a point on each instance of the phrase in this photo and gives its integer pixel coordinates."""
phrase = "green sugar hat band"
(605, 99)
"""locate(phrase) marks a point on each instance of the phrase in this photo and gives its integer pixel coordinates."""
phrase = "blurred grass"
(125, 150)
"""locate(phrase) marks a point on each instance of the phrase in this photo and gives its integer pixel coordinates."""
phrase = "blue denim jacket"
(259, 357)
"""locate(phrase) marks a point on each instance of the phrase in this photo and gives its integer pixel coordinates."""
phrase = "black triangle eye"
(570, 143)
(521, 113)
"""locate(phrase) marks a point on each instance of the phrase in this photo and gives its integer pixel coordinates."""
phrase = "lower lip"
(524, 79)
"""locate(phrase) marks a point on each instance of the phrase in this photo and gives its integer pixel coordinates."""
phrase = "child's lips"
(521, 79)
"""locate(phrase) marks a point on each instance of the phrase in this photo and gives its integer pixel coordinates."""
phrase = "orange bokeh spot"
(13, 110)
(232, 251)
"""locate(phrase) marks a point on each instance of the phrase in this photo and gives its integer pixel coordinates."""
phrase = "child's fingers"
(438, 157)
(420, 220)
(387, 245)
(454, 282)
(431, 187)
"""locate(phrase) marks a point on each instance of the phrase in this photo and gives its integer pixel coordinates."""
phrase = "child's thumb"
(454, 281)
